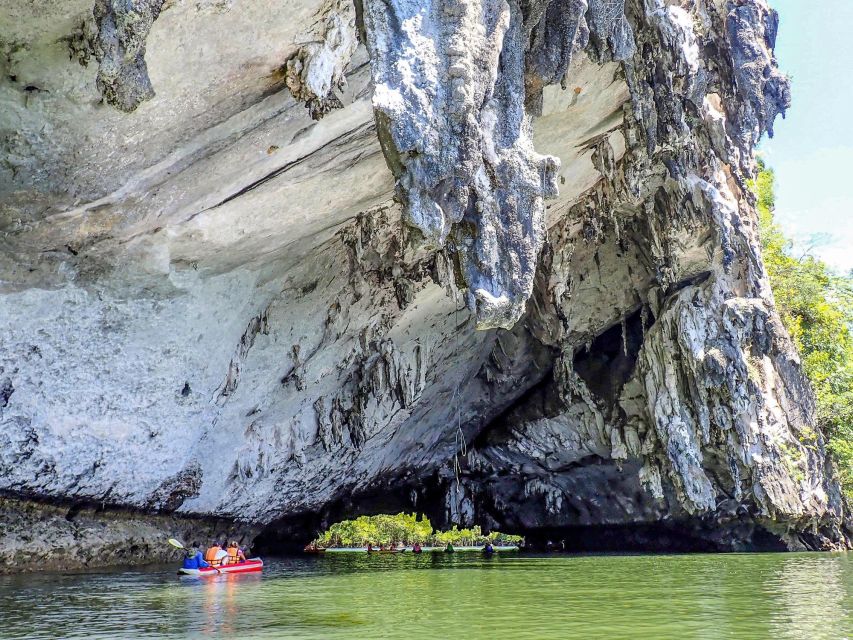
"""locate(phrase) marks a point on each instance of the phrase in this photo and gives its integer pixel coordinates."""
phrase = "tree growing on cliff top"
(816, 306)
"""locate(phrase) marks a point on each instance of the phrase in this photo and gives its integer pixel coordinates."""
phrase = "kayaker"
(193, 558)
(215, 554)
(449, 548)
(221, 556)
(210, 554)
(235, 553)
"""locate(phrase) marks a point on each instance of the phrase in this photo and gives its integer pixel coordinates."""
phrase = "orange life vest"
(210, 555)
(233, 552)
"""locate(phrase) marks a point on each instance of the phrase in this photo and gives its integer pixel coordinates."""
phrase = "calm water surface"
(807, 596)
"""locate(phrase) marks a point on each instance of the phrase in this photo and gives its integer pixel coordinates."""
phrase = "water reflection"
(812, 596)
(221, 609)
(802, 596)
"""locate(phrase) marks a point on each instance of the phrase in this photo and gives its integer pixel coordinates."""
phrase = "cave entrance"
(634, 538)
(671, 536)
(383, 531)
(427, 498)
(290, 534)
(609, 361)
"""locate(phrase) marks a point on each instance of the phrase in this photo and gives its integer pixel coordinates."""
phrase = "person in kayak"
(193, 558)
(221, 556)
(210, 554)
(235, 553)
(215, 554)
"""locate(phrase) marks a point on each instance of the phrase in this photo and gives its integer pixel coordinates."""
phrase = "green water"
(807, 596)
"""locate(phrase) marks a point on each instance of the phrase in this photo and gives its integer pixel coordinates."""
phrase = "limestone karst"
(272, 261)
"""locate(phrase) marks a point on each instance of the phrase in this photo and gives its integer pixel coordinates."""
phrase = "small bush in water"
(407, 528)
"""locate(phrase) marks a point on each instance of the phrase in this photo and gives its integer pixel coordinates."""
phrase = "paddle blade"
(175, 543)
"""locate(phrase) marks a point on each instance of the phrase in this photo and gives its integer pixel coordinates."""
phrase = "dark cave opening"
(607, 364)
(691, 536)
(289, 535)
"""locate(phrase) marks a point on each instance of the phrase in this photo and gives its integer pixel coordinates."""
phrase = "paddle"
(178, 545)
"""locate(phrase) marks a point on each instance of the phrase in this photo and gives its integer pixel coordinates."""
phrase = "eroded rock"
(123, 26)
(214, 307)
(316, 71)
(447, 77)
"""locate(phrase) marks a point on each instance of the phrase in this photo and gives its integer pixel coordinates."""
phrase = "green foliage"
(381, 529)
(793, 458)
(816, 306)
(407, 528)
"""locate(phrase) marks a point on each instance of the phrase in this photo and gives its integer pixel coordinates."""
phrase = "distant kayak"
(251, 565)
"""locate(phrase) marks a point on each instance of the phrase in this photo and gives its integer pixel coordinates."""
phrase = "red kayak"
(249, 566)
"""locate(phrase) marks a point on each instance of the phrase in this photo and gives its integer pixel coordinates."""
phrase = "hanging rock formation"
(120, 49)
(269, 263)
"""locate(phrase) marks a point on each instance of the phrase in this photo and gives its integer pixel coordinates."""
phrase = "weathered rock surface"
(60, 537)
(267, 257)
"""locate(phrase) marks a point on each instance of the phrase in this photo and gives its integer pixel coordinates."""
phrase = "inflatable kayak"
(251, 565)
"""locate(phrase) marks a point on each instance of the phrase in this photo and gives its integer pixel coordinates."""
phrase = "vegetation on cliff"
(408, 528)
(816, 306)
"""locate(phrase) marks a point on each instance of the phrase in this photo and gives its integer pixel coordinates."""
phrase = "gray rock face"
(221, 306)
(448, 77)
(317, 70)
(119, 47)
(52, 537)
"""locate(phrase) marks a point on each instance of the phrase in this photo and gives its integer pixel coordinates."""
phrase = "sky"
(812, 151)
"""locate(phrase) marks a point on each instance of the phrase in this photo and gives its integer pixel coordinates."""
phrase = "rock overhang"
(220, 234)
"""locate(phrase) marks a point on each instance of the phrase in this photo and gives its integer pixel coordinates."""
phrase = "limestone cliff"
(270, 262)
